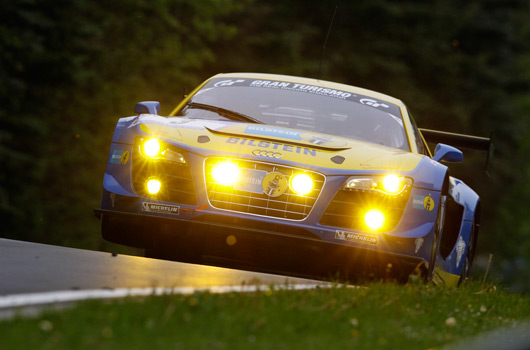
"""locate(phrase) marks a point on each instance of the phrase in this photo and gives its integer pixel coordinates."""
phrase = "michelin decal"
(160, 208)
(356, 237)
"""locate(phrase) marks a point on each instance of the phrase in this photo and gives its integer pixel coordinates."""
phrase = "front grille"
(348, 207)
(288, 205)
(177, 183)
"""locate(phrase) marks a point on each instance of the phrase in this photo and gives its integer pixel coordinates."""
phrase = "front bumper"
(279, 250)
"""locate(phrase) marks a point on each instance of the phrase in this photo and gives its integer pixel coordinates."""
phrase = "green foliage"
(71, 68)
(382, 316)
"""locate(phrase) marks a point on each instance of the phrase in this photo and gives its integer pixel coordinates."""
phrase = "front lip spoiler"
(395, 256)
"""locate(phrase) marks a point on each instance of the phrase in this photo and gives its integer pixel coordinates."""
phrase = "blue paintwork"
(416, 223)
(147, 107)
(447, 153)
(467, 198)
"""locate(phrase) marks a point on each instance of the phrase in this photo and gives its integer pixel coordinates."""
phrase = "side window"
(422, 148)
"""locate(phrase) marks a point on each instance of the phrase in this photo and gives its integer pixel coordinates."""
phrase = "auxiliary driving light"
(392, 184)
(151, 148)
(302, 184)
(153, 186)
(225, 173)
(374, 219)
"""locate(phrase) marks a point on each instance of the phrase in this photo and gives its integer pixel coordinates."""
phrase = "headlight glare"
(302, 184)
(225, 173)
(374, 219)
(392, 184)
(153, 186)
(151, 148)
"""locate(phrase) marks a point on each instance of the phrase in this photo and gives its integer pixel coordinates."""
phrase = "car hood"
(294, 145)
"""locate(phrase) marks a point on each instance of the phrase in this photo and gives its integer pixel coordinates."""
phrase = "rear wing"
(477, 143)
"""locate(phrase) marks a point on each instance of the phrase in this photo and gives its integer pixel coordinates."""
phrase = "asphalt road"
(32, 268)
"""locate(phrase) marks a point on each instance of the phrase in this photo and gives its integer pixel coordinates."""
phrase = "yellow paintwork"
(442, 277)
(315, 82)
(358, 155)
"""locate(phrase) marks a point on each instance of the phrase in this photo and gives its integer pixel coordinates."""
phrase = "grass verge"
(381, 316)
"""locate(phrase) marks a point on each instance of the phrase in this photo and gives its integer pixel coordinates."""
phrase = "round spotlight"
(392, 184)
(374, 219)
(225, 173)
(302, 184)
(151, 148)
(153, 186)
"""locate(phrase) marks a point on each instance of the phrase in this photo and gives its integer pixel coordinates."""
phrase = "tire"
(470, 253)
(429, 273)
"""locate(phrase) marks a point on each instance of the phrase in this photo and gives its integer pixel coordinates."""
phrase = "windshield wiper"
(231, 115)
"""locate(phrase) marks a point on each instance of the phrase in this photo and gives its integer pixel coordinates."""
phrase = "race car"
(294, 175)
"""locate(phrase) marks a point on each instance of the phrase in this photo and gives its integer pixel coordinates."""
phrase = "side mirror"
(447, 153)
(147, 107)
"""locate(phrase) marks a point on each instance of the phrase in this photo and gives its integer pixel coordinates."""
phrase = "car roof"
(310, 81)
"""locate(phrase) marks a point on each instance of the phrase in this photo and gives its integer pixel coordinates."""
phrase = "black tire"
(429, 273)
(471, 249)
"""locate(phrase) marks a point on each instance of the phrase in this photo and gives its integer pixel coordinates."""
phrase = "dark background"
(70, 68)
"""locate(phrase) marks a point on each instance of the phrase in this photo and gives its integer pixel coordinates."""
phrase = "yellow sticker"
(274, 184)
(428, 203)
(124, 157)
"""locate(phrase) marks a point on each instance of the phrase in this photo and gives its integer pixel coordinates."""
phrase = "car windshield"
(302, 107)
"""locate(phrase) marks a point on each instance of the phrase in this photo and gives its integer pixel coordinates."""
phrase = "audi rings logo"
(264, 153)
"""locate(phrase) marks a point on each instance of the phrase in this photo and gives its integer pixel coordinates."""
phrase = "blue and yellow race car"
(281, 173)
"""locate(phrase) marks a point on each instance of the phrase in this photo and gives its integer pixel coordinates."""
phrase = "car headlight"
(225, 173)
(374, 219)
(153, 185)
(388, 184)
(153, 148)
(302, 184)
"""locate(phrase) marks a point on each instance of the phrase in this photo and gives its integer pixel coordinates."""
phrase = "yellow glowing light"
(392, 184)
(374, 219)
(153, 186)
(225, 173)
(302, 184)
(151, 148)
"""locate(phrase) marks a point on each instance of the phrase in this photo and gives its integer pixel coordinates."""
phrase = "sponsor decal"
(264, 153)
(423, 202)
(301, 87)
(460, 249)
(228, 82)
(160, 208)
(274, 184)
(117, 156)
(356, 237)
(428, 203)
(272, 145)
(373, 103)
(251, 180)
(124, 157)
(272, 131)
(304, 88)
(417, 201)
(321, 140)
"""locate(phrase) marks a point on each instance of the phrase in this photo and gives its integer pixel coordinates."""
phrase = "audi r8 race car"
(302, 176)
